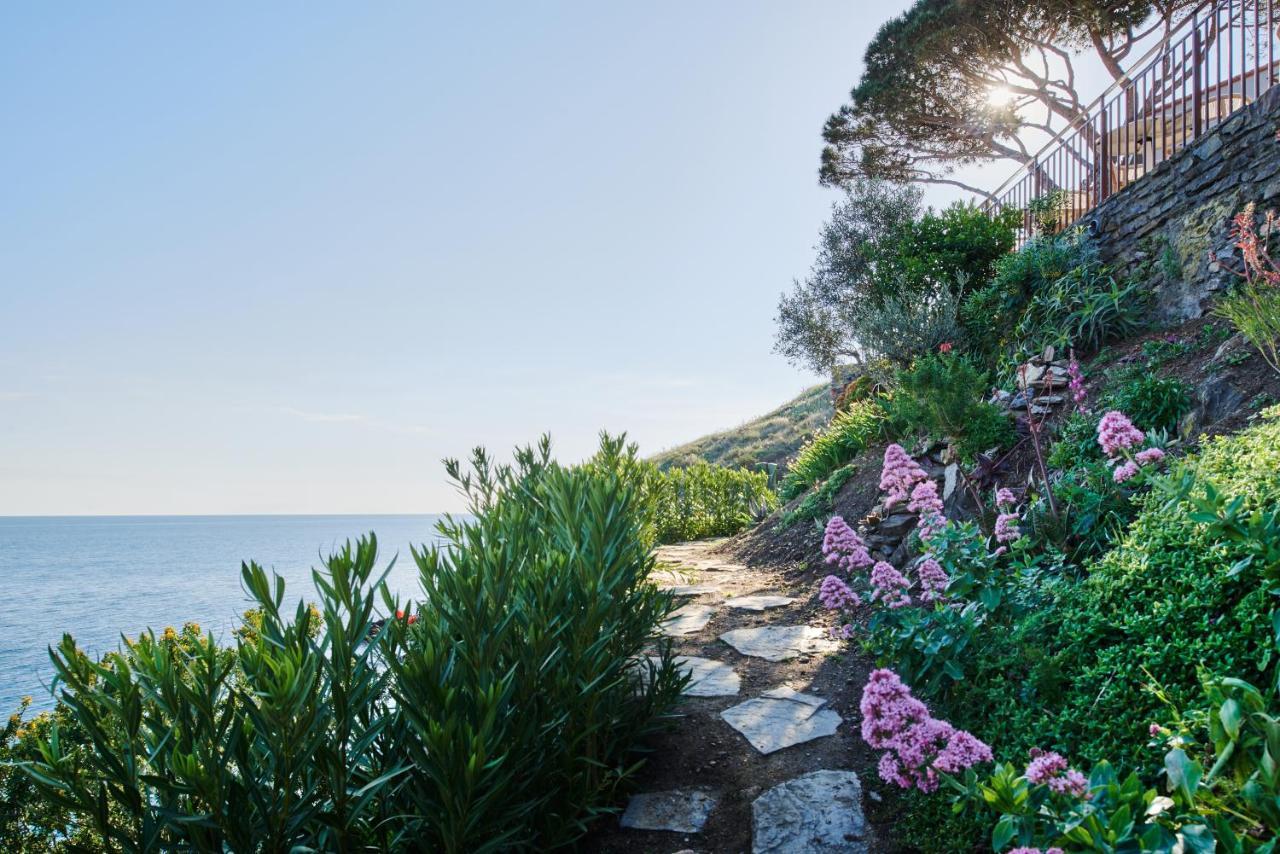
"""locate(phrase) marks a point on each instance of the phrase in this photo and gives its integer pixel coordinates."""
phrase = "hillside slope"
(771, 438)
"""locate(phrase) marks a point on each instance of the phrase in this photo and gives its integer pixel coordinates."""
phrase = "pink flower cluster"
(842, 547)
(926, 503)
(888, 586)
(933, 580)
(1117, 434)
(1150, 455)
(1125, 471)
(917, 746)
(1007, 527)
(1005, 497)
(835, 594)
(1076, 384)
(899, 474)
(1049, 768)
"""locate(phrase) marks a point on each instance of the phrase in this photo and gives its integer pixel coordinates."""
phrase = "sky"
(284, 258)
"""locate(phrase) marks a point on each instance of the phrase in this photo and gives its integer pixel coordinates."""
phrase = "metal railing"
(1219, 59)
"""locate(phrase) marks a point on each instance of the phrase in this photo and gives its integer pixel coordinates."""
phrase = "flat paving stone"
(678, 811)
(687, 620)
(692, 589)
(772, 723)
(759, 602)
(818, 813)
(779, 643)
(711, 678)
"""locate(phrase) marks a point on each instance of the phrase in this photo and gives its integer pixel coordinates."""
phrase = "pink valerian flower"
(1005, 497)
(933, 580)
(1154, 730)
(899, 474)
(1051, 769)
(1044, 765)
(888, 586)
(843, 548)
(1076, 383)
(926, 503)
(1125, 471)
(888, 709)
(835, 594)
(841, 632)
(1150, 455)
(918, 746)
(1007, 527)
(1071, 783)
(999, 551)
(1117, 434)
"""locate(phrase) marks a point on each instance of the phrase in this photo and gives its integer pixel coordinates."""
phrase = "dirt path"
(775, 765)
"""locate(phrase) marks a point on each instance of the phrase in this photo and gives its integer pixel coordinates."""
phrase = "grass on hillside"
(771, 438)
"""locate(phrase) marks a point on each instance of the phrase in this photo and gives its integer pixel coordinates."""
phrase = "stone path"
(734, 622)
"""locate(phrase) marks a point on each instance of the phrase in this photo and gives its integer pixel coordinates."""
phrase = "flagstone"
(786, 719)
(759, 602)
(779, 643)
(818, 813)
(678, 811)
(688, 619)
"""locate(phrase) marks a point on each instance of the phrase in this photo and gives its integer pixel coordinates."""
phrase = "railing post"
(1036, 178)
(1104, 158)
(1197, 90)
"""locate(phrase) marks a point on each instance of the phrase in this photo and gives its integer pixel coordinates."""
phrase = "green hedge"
(705, 500)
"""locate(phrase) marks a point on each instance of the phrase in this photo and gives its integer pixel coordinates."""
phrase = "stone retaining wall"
(1164, 228)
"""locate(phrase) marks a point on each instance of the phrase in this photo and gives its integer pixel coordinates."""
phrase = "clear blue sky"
(284, 257)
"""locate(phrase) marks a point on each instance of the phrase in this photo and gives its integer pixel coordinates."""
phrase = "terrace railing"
(1220, 58)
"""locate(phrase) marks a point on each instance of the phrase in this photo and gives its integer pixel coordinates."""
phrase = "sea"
(100, 577)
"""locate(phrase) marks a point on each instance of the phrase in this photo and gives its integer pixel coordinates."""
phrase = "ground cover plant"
(503, 712)
(1158, 658)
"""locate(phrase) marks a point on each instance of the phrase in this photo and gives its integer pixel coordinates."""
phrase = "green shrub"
(990, 313)
(952, 248)
(703, 500)
(503, 714)
(1152, 402)
(848, 435)
(1085, 666)
(941, 396)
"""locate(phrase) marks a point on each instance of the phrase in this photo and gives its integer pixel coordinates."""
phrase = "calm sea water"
(99, 577)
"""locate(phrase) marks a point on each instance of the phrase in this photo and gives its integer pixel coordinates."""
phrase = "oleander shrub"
(503, 713)
(705, 500)
(848, 434)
